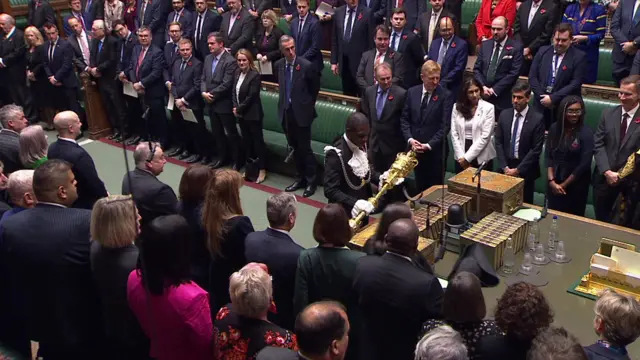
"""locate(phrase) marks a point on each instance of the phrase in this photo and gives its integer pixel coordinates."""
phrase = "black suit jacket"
(530, 146)
(386, 132)
(212, 21)
(308, 43)
(542, 24)
(42, 15)
(152, 197)
(611, 152)
(424, 23)
(280, 253)
(150, 72)
(414, 8)
(170, 54)
(78, 60)
(395, 297)
(361, 37)
(412, 57)
(364, 76)
(430, 125)
(90, 187)
(186, 84)
(220, 82)
(597, 352)
(270, 49)
(248, 104)
(623, 29)
(61, 65)
(241, 34)
(305, 86)
(507, 72)
(46, 250)
(124, 51)
(106, 60)
(12, 50)
(10, 151)
(569, 77)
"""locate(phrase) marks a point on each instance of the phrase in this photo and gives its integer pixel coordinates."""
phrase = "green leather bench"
(14, 3)
(284, 26)
(21, 22)
(470, 9)
(605, 67)
(328, 81)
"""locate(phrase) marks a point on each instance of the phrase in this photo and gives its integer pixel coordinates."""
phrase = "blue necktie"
(214, 63)
(380, 103)
(636, 17)
(514, 134)
(393, 41)
(288, 83)
(99, 47)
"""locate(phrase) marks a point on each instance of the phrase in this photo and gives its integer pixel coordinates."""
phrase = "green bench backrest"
(328, 81)
(605, 70)
(284, 26)
(470, 9)
(21, 22)
(14, 3)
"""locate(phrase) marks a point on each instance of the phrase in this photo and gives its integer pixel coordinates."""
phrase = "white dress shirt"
(502, 44)
(239, 84)
(523, 114)
(232, 21)
(67, 139)
(631, 114)
(433, 23)
(346, 20)
(533, 11)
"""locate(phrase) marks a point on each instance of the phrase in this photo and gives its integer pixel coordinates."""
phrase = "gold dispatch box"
(436, 217)
(501, 193)
(426, 247)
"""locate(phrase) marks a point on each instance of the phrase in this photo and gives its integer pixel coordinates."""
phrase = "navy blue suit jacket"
(67, 29)
(61, 65)
(186, 19)
(150, 73)
(623, 30)
(568, 78)
(186, 84)
(507, 73)
(155, 17)
(212, 22)
(454, 63)
(308, 43)
(280, 253)
(288, 9)
(125, 49)
(597, 352)
(305, 86)
(90, 187)
(430, 125)
(410, 47)
(170, 55)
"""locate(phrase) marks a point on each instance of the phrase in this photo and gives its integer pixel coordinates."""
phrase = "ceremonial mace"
(400, 169)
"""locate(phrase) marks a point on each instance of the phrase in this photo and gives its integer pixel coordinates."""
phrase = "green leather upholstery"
(21, 22)
(284, 26)
(18, 2)
(470, 9)
(328, 81)
(605, 67)
(594, 109)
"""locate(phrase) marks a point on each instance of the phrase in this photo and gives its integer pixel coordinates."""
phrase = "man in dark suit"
(192, 139)
(13, 79)
(81, 44)
(382, 104)
(132, 127)
(451, 53)
(382, 53)
(145, 72)
(206, 22)
(58, 66)
(405, 42)
(395, 296)
(102, 68)
(352, 35)
(171, 53)
(425, 122)
(498, 65)
(13, 121)
(299, 84)
(255, 8)
(185, 17)
(93, 10)
(216, 87)
(535, 21)
(557, 71)
(76, 12)
(378, 10)
(428, 26)
(153, 198)
(414, 9)
(617, 137)
(519, 139)
(46, 250)
(237, 27)
(305, 30)
(626, 35)
(90, 187)
(153, 15)
(276, 248)
(40, 13)
(322, 330)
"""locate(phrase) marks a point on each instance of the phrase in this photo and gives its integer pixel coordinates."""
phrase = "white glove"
(385, 176)
(361, 205)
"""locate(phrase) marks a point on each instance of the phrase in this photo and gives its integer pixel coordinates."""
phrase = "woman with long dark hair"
(472, 126)
(569, 152)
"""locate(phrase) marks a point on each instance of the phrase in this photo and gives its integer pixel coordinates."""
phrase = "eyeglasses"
(574, 111)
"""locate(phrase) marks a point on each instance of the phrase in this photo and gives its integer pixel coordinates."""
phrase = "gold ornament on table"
(400, 169)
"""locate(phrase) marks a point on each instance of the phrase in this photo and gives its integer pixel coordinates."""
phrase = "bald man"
(451, 53)
(90, 187)
(395, 296)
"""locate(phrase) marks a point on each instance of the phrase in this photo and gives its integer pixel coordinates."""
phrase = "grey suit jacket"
(10, 151)
(220, 82)
(78, 59)
(386, 132)
(364, 77)
(610, 151)
(241, 34)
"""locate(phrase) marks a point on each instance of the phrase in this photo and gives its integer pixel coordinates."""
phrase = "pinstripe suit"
(10, 151)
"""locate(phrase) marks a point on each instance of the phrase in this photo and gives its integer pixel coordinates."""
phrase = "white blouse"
(239, 84)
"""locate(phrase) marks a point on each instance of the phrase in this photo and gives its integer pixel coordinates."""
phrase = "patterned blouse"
(471, 332)
(238, 337)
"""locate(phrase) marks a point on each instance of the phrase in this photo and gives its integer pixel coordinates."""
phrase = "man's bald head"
(500, 20)
(67, 124)
(402, 237)
(322, 329)
(446, 28)
(499, 28)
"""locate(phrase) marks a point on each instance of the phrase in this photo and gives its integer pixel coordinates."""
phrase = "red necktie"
(623, 127)
(140, 59)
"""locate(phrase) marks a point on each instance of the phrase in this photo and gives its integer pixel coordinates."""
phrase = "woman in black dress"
(37, 78)
(268, 42)
(569, 152)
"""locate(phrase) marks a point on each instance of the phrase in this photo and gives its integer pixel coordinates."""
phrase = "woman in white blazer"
(472, 125)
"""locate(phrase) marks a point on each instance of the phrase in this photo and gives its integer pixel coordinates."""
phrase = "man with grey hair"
(13, 121)
(152, 197)
(276, 248)
(20, 190)
(441, 343)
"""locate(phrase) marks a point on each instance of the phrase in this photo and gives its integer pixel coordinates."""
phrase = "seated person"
(441, 343)
(20, 192)
(555, 343)
(13, 122)
(33, 147)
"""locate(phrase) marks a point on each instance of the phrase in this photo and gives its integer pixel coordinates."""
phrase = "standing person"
(171, 53)
(353, 33)
(153, 16)
(306, 30)
(206, 21)
(132, 128)
(40, 13)
(498, 66)
(404, 41)
(13, 122)
(569, 154)
(489, 11)
(33, 147)
(450, 52)
(185, 17)
(247, 108)
(76, 12)
(616, 137)
(296, 111)
(39, 86)
(557, 71)
(80, 42)
(414, 9)
(428, 26)
(589, 22)
(113, 11)
(425, 123)
(93, 10)
(626, 36)
(365, 76)
(535, 21)
(327, 22)
(237, 27)
(267, 41)
(519, 139)
(216, 89)
(130, 16)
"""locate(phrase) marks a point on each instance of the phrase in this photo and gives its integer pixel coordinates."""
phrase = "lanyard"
(555, 64)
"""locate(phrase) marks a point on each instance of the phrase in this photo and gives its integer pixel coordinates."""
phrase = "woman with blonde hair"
(33, 146)
(267, 40)
(39, 85)
(115, 225)
(226, 228)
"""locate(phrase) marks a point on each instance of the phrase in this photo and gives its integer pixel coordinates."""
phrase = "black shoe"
(205, 161)
(296, 185)
(185, 154)
(192, 159)
(217, 164)
(133, 140)
(117, 138)
(174, 152)
(237, 166)
(309, 191)
(115, 135)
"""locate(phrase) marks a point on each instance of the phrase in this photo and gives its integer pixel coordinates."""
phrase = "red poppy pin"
(390, 98)
(575, 144)
(564, 67)
(638, 120)
(298, 67)
(189, 63)
(404, 37)
(360, 16)
(453, 45)
(542, 11)
(391, 54)
(508, 48)
(435, 97)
